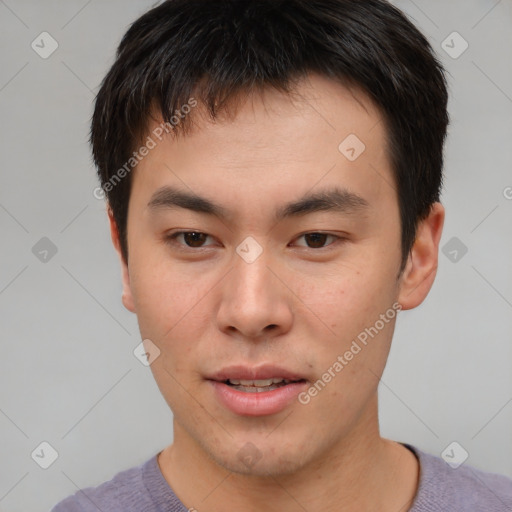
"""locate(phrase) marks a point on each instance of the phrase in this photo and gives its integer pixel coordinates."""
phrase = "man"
(273, 173)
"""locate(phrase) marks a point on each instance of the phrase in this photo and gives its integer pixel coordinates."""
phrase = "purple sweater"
(441, 489)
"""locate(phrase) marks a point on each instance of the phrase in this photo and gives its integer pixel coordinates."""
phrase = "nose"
(256, 301)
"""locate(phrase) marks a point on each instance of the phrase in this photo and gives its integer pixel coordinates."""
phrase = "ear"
(421, 268)
(127, 297)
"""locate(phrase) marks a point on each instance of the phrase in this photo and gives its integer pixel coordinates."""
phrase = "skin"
(207, 309)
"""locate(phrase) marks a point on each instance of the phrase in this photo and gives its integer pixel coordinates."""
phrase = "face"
(258, 282)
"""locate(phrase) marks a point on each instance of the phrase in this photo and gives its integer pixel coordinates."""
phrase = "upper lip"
(266, 371)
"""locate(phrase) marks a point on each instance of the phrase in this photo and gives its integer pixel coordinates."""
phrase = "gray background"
(68, 375)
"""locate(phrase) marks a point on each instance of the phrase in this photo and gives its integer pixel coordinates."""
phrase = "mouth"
(259, 386)
(257, 391)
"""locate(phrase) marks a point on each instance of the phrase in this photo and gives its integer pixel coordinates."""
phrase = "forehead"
(315, 102)
(273, 142)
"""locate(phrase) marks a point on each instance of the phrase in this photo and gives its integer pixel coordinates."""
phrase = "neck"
(361, 472)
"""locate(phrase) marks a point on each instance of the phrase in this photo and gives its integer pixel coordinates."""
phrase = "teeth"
(258, 383)
(254, 389)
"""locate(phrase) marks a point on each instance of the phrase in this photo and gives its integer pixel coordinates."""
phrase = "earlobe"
(421, 268)
(127, 297)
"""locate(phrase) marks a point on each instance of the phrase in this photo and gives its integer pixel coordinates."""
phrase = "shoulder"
(443, 488)
(124, 492)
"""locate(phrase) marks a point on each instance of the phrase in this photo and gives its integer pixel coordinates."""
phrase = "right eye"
(192, 239)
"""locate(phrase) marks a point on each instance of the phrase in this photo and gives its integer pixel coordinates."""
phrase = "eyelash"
(171, 240)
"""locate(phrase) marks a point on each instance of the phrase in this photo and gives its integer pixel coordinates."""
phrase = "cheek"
(344, 307)
(164, 296)
(175, 307)
(350, 297)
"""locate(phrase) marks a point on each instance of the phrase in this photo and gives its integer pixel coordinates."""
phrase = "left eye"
(317, 240)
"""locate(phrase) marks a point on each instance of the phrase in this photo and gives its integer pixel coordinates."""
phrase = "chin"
(260, 458)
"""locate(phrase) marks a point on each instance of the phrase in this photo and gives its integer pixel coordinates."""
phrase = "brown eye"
(192, 239)
(318, 240)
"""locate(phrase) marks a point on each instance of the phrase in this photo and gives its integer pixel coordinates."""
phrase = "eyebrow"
(334, 199)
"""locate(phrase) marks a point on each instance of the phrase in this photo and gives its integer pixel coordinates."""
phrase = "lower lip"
(257, 404)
